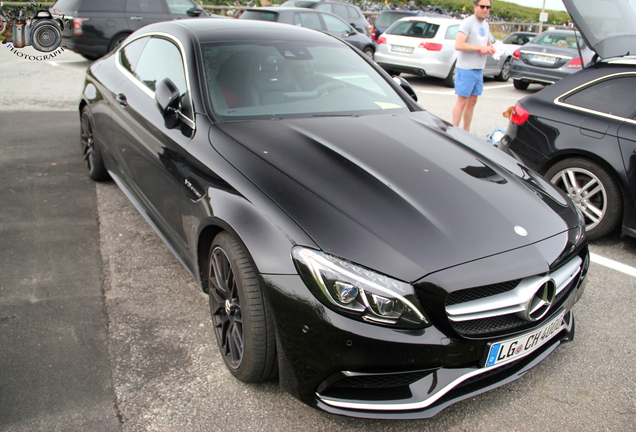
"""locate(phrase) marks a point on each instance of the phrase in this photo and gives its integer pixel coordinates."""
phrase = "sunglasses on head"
(484, 6)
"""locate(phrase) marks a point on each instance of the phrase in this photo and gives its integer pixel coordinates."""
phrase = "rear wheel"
(520, 85)
(92, 154)
(593, 190)
(242, 320)
(117, 40)
(504, 75)
(449, 81)
(369, 52)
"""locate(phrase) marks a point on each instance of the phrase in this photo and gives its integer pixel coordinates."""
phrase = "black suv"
(95, 27)
(345, 10)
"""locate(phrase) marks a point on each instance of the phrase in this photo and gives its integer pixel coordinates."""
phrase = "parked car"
(549, 57)
(96, 27)
(313, 19)
(425, 46)
(380, 261)
(388, 17)
(345, 10)
(581, 132)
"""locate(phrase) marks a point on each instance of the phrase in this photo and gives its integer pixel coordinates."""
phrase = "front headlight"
(359, 292)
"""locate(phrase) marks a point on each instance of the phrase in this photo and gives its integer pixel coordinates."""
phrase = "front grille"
(466, 295)
(489, 310)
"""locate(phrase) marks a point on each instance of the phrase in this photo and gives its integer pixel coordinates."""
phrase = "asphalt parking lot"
(101, 328)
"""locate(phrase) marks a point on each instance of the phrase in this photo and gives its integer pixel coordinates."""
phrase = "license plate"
(402, 49)
(543, 59)
(512, 349)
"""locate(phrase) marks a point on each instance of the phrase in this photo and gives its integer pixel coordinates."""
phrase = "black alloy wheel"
(242, 320)
(593, 190)
(92, 154)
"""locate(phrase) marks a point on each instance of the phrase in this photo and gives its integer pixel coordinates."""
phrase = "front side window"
(451, 32)
(336, 25)
(285, 79)
(610, 96)
(309, 20)
(130, 54)
(159, 60)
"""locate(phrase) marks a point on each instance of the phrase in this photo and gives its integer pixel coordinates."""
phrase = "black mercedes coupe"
(377, 260)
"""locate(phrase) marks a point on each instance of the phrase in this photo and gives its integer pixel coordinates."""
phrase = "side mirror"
(194, 12)
(168, 101)
(406, 86)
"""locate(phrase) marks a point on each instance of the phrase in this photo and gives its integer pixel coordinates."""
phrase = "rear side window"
(611, 96)
(66, 5)
(309, 20)
(414, 28)
(260, 15)
(559, 39)
(353, 12)
(102, 6)
(451, 32)
(181, 7)
(147, 6)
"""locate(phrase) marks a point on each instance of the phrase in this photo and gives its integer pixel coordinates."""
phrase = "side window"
(147, 6)
(129, 55)
(340, 10)
(161, 59)
(333, 24)
(309, 20)
(611, 96)
(451, 32)
(101, 6)
(353, 12)
(325, 7)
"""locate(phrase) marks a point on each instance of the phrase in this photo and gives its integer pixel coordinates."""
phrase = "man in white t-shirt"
(473, 44)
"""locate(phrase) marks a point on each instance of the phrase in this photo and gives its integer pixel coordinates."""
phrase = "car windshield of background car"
(385, 20)
(273, 80)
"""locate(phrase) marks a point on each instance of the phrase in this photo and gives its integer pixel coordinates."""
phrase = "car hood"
(606, 25)
(402, 194)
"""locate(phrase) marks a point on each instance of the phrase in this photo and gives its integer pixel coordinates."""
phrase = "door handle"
(121, 98)
(136, 18)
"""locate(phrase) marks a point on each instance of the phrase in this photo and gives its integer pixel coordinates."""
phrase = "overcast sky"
(549, 4)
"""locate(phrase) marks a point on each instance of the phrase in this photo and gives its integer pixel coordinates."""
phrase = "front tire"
(593, 190)
(520, 85)
(370, 52)
(242, 321)
(92, 153)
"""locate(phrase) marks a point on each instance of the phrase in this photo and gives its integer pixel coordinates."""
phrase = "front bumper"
(352, 368)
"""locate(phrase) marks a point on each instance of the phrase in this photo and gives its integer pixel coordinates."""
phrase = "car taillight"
(576, 63)
(516, 55)
(77, 25)
(519, 115)
(431, 46)
(381, 40)
(374, 35)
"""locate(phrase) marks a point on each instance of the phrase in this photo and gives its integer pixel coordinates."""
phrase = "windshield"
(273, 80)
(559, 40)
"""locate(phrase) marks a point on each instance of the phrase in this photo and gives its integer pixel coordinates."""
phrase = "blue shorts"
(469, 82)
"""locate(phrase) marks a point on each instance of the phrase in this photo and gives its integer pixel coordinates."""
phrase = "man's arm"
(462, 45)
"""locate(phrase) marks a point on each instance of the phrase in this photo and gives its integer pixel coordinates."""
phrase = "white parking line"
(613, 264)
(57, 62)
